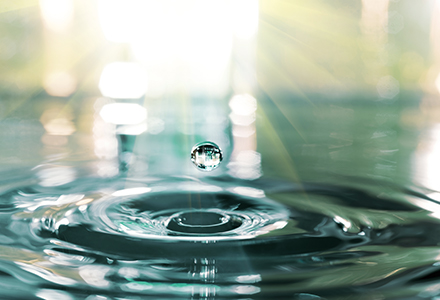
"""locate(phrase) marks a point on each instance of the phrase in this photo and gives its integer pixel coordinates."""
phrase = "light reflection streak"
(243, 163)
(433, 207)
(243, 105)
(49, 294)
(56, 176)
(246, 289)
(84, 201)
(253, 278)
(375, 18)
(434, 72)
(427, 160)
(248, 191)
(345, 223)
(269, 228)
(131, 191)
(95, 275)
(427, 155)
(105, 142)
(374, 25)
(46, 274)
(204, 269)
(57, 17)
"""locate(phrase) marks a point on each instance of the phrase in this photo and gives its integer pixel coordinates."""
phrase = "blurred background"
(302, 90)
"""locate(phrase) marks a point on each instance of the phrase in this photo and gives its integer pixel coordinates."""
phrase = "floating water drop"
(206, 156)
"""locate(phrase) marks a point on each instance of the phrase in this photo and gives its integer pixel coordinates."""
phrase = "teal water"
(116, 238)
(328, 124)
(348, 217)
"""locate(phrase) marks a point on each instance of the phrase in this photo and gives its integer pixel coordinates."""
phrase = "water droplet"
(206, 156)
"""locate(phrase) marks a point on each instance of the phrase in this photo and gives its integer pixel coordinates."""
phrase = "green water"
(327, 117)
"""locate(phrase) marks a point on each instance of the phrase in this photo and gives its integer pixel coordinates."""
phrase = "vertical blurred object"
(105, 142)
(434, 72)
(374, 24)
(374, 19)
(245, 161)
(427, 156)
(427, 160)
(122, 122)
(57, 16)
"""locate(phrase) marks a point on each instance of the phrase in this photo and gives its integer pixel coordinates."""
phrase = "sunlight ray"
(6, 6)
(285, 158)
(282, 110)
(329, 24)
(298, 57)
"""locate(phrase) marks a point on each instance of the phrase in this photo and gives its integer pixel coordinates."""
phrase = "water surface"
(150, 237)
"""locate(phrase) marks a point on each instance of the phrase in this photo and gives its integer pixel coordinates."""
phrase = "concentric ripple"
(164, 237)
(191, 212)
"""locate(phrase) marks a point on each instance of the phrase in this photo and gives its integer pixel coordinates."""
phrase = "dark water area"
(147, 238)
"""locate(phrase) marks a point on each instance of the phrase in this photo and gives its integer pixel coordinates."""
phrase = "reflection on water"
(190, 238)
(326, 114)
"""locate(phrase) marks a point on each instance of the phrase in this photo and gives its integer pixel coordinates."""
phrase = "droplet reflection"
(206, 156)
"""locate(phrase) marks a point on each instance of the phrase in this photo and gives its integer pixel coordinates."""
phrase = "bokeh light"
(123, 113)
(123, 80)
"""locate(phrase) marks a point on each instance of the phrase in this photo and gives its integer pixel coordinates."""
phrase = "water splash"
(183, 237)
